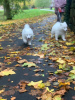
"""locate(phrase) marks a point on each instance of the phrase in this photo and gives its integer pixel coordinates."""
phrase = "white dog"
(59, 29)
(27, 34)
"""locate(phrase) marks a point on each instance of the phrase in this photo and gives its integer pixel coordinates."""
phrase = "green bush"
(25, 7)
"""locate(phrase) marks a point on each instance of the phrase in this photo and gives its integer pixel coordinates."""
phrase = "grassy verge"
(2, 17)
(25, 14)
(30, 13)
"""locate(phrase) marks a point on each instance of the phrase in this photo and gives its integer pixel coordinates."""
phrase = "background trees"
(42, 3)
(12, 7)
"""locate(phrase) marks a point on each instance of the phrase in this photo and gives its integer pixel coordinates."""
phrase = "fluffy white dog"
(27, 34)
(59, 29)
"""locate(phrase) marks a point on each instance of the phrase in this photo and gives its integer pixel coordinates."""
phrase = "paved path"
(1, 8)
(13, 43)
(47, 10)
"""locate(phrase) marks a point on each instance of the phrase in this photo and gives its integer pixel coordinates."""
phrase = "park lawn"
(30, 13)
(25, 14)
(2, 17)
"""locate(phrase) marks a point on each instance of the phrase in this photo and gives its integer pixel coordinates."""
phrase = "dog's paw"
(56, 39)
(29, 43)
(64, 39)
(25, 41)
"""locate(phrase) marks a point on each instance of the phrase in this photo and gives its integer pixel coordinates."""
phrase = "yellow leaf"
(72, 71)
(29, 64)
(2, 99)
(60, 61)
(37, 85)
(7, 72)
(40, 55)
(64, 47)
(67, 43)
(71, 63)
(65, 83)
(57, 97)
(52, 90)
(1, 91)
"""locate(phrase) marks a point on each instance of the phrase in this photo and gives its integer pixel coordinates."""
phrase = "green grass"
(30, 13)
(25, 14)
(2, 17)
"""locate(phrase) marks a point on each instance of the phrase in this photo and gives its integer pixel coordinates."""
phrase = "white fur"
(59, 29)
(27, 34)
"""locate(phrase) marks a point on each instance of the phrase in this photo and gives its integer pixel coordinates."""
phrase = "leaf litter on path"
(58, 52)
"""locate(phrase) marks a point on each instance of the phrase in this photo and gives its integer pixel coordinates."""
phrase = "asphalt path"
(47, 10)
(39, 29)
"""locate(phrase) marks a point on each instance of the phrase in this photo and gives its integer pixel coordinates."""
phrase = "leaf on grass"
(29, 64)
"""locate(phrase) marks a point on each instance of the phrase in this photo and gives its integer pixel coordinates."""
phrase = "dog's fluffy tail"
(26, 26)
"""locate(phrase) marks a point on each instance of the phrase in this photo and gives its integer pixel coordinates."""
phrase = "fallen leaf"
(37, 85)
(2, 98)
(13, 98)
(57, 97)
(22, 61)
(1, 91)
(60, 92)
(60, 61)
(7, 72)
(29, 64)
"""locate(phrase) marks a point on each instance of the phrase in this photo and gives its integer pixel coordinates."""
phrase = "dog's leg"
(56, 36)
(29, 42)
(51, 35)
(24, 40)
(63, 37)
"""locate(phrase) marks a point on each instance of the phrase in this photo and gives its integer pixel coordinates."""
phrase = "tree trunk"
(7, 9)
(24, 3)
